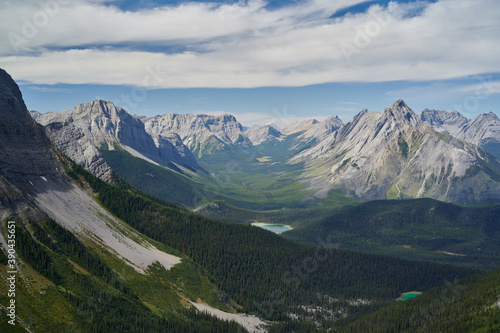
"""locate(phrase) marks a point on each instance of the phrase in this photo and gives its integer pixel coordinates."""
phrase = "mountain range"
(98, 257)
(390, 154)
(484, 130)
(81, 131)
(394, 154)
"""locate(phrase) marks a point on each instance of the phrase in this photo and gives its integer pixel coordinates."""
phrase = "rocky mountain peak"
(484, 130)
(402, 113)
(488, 116)
(105, 109)
(445, 122)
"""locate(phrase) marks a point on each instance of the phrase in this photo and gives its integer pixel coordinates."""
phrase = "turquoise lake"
(276, 228)
(409, 295)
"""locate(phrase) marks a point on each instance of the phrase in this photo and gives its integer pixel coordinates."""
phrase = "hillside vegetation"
(264, 273)
(422, 228)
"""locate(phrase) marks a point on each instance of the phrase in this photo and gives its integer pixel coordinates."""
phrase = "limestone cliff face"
(80, 131)
(198, 131)
(171, 147)
(393, 154)
(72, 141)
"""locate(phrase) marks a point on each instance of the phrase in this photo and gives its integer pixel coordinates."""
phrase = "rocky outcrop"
(260, 134)
(393, 154)
(79, 133)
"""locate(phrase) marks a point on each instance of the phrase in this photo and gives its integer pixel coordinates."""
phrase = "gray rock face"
(22, 141)
(445, 122)
(260, 134)
(393, 154)
(484, 130)
(482, 127)
(24, 148)
(72, 141)
(198, 130)
(171, 147)
(79, 131)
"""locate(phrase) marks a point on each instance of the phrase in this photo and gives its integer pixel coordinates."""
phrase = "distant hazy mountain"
(484, 130)
(307, 131)
(394, 154)
(300, 126)
(260, 134)
(80, 131)
(321, 130)
(204, 135)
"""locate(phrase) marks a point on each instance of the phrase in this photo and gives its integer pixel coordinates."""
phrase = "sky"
(274, 61)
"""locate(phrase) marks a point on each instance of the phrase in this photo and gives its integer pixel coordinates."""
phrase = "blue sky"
(263, 61)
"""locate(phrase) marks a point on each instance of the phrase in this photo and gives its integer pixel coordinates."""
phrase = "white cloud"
(484, 86)
(246, 45)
